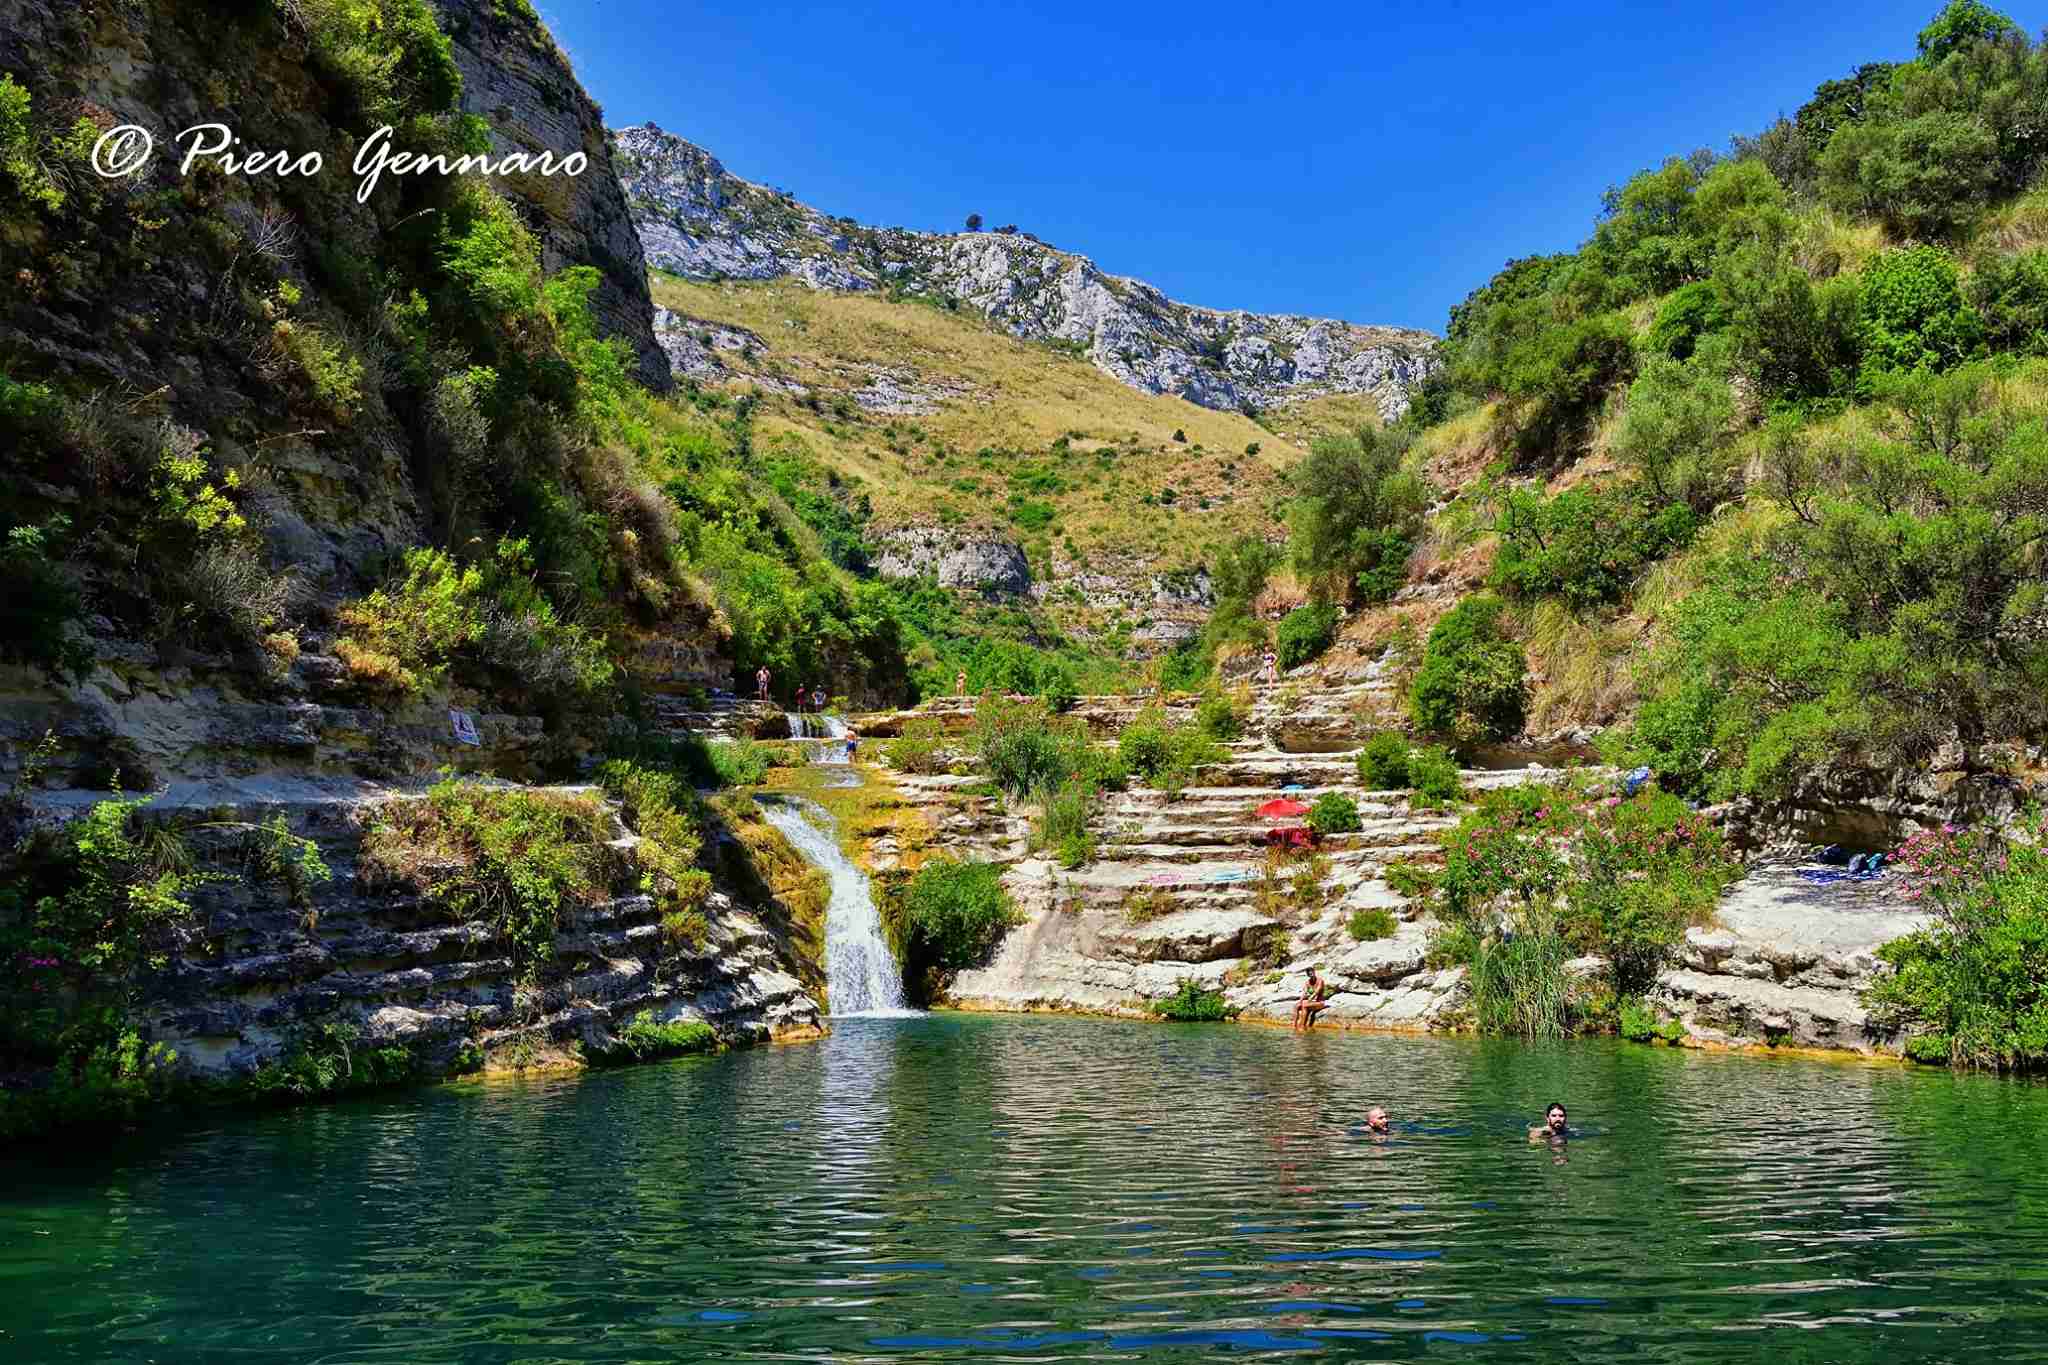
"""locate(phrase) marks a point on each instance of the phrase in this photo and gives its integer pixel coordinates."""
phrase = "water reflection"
(954, 1187)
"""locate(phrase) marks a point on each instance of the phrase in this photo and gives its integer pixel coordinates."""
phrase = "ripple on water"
(1047, 1189)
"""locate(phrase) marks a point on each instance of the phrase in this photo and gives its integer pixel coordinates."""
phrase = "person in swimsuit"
(960, 682)
(1312, 1002)
(1376, 1120)
(852, 743)
(1554, 1128)
(818, 701)
(1272, 667)
(761, 683)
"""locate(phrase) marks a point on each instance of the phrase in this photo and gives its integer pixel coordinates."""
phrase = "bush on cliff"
(513, 858)
(1305, 633)
(950, 915)
(1472, 683)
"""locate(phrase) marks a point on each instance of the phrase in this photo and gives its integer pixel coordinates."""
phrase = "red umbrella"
(1283, 808)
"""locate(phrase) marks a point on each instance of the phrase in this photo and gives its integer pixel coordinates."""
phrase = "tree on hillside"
(974, 222)
(1355, 515)
(1962, 23)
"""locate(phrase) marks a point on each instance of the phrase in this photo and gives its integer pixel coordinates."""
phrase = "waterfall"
(861, 976)
(829, 732)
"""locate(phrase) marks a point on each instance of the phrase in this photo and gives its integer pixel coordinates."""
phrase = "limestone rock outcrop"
(517, 79)
(702, 222)
(955, 559)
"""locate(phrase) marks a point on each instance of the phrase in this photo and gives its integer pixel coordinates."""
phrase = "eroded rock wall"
(702, 222)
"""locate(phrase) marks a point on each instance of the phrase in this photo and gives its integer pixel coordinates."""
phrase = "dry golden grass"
(1334, 414)
(1020, 397)
(1825, 245)
(2018, 226)
(1454, 454)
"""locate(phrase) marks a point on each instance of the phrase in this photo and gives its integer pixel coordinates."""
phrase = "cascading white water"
(861, 977)
(829, 731)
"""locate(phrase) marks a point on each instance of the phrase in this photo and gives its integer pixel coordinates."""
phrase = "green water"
(1028, 1189)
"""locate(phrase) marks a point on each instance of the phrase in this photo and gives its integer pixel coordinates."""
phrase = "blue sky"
(1360, 161)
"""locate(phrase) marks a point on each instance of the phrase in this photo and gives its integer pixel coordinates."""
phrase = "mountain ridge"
(699, 221)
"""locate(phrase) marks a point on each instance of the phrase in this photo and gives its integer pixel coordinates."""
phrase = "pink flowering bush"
(1541, 873)
(1972, 987)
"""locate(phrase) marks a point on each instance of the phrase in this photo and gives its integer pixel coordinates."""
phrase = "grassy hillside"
(1753, 477)
(1026, 441)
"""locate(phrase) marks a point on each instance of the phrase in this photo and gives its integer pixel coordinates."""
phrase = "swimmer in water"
(1376, 1121)
(1553, 1128)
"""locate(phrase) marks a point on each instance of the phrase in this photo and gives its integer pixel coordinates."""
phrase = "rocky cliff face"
(699, 221)
(518, 81)
(1178, 890)
(260, 972)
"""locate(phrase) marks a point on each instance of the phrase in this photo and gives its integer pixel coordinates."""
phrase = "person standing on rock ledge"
(960, 683)
(761, 676)
(1271, 669)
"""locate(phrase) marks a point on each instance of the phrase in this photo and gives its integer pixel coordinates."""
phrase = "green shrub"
(1472, 683)
(1145, 745)
(952, 914)
(84, 910)
(515, 858)
(1025, 749)
(645, 1038)
(662, 807)
(2010, 293)
(1353, 516)
(1914, 314)
(323, 1060)
(1191, 1003)
(1221, 716)
(1305, 633)
(1973, 985)
(1693, 311)
(1587, 547)
(1334, 813)
(1366, 925)
(1063, 822)
(1676, 435)
(403, 637)
(1637, 1022)
(40, 604)
(1672, 735)
(1621, 878)
(1434, 775)
(1057, 687)
(1383, 762)
(112, 1081)
(1164, 754)
(920, 749)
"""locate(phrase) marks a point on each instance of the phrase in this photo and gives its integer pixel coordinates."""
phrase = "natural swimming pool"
(1012, 1188)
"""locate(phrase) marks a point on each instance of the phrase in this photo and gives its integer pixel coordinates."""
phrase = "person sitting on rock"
(1312, 1002)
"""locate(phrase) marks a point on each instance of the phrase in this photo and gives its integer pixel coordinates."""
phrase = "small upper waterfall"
(861, 976)
(824, 736)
